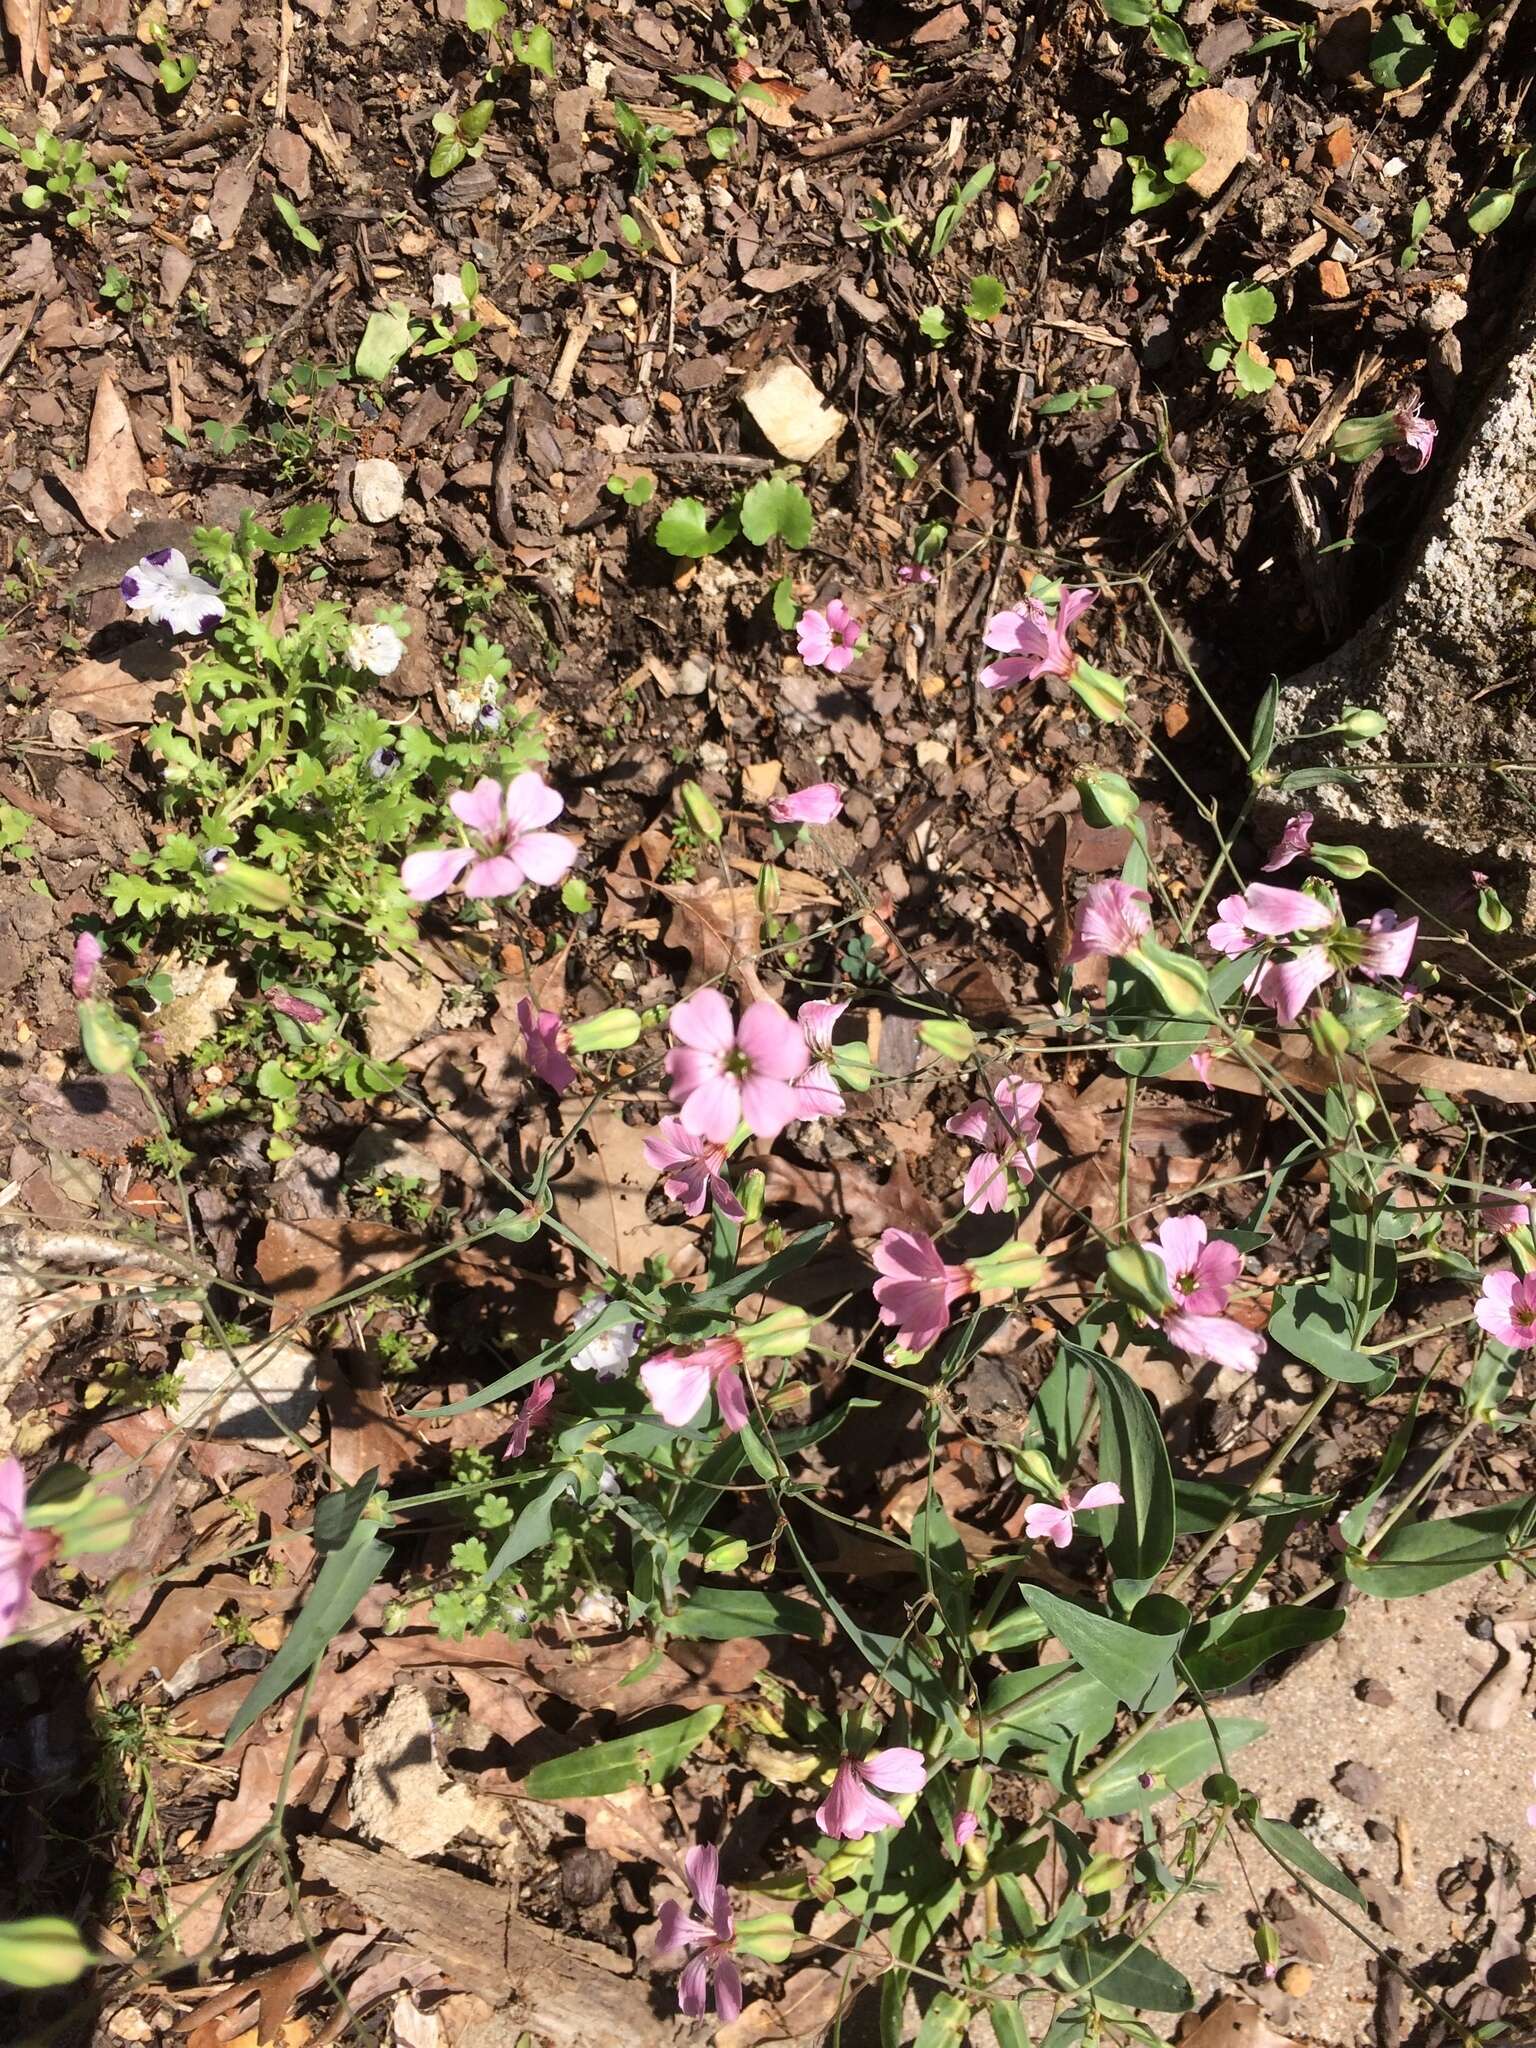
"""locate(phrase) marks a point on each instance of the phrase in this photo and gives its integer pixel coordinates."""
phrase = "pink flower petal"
(425, 875)
(479, 808)
(677, 1387)
(772, 1041)
(499, 875)
(895, 1770)
(544, 857)
(704, 1022)
(529, 803)
(1045, 1523)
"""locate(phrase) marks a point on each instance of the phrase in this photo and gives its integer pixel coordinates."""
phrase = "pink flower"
(1201, 1062)
(1044, 1523)
(1202, 1271)
(510, 847)
(850, 1810)
(721, 1073)
(817, 804)
(914, 572)
(296, 1007)
(829, 639)
(680, 1382)
(1008, 1131)
(1506, 1309)
(1219, 1340)
(1289, 985)
(709, 1936)
(1294, 843)
(1033, 643)
(816, 1091)
(23, 1551)
(966, 1824)
(88, 957)
(535, 1405)
(1110, 919)
(1503, 1215)
(916, 1289)
(542, 1034)
(697, 1170)
(1264, 911)
(1389, 944)
(1416, 437)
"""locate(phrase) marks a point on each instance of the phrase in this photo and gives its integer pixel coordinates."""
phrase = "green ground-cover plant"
(670, 1456)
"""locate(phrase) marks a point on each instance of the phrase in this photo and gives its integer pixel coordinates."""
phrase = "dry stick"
(1493, 37)
(284, 51)
(931, 100)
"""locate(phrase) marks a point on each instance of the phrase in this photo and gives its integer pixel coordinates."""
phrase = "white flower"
(609, 1353)
(608, 1483)
(598, 1609)
(163, 590)
(377, 648)
(448, 293)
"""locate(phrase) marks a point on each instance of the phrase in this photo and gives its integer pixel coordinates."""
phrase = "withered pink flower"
(817, 804)
(692, 1169)
(1008, 1132)
(544, 1045)
(708, 1934)
(88, 955)
(1294, 843)
(535, 1405)
(296, 1007)
(816, 1091)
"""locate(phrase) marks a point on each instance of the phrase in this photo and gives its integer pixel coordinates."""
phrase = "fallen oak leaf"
(113, 469)
(27, 21)
(851, 1194)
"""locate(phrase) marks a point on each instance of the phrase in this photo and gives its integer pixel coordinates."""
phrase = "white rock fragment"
(378, 490)
(229, 1393)
(789, 411)
(401, 1795)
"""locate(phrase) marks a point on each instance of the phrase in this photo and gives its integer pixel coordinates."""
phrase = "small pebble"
(1295, 1980)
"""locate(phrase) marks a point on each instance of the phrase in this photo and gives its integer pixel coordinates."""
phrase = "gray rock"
(1448, 663)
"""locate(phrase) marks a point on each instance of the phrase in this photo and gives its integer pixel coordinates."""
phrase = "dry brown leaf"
(113, 469)
(602, 1198)
(237, 1820)
(27, 21)
(364, 1434)
(809, 2002)
(1235, 2023)
(852, 1194)
(719, 929)
(307, 1263)
(115, 693)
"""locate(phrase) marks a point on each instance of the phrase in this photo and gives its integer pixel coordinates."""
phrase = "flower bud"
(950, 1037)
(1330, 1034)
(35, 1954)
(608, 1031)
(1139, 1279)
(770, 1937)
(1014, 1267)
(1266, 1946)
(1180, 981)
(1369, 1014)
(850, 1858)
(1349, 863)
(752, 1194)
(1357, 725)
(1221, 1790)
(1034, 1470)
(1107, 799)
(1103, 694)
(700, 813)
(1104, 1874)
(853, 1067)
(727, 1556)
(250, 888)
(82, 1515)
(768, 890)
(108, 1041)
(1353, 440)
(1491, 913)
(784, 1334)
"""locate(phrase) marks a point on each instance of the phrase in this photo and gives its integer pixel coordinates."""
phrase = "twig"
(707, 458)
(284, 51)
(930, 100)
(1493, 36)
(182, 141)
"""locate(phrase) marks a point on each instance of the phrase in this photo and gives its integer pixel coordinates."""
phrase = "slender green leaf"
(607, 1767)
(336, 1514)
(532, 1529)
(1253, 1639)
(343, 1579)
(1172, 1758)
(1289, 1846)
(720, 1614)
(1128, 1972)
(1132, 1453)
(1416, 1557)
(1127, 1661)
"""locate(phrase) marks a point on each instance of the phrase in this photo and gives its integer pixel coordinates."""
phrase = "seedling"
(288, 214)
(175, 73)
(460, 137)
(933, 322)
(1459, 23)
(721, 139)
(452, 336)
(951, 215)
(1153, 187)
(638, 487)
(534, 48)
(1400, 54)
(117, 290)
(775, 509)
(887, 226)
(1157, 18)
(593, 264)
(1245, 309)
(647, 142)
(988, 296)
(62, 173)
(1112, 131)
(1490, 208)
(1091, 398)
(1409, 256)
